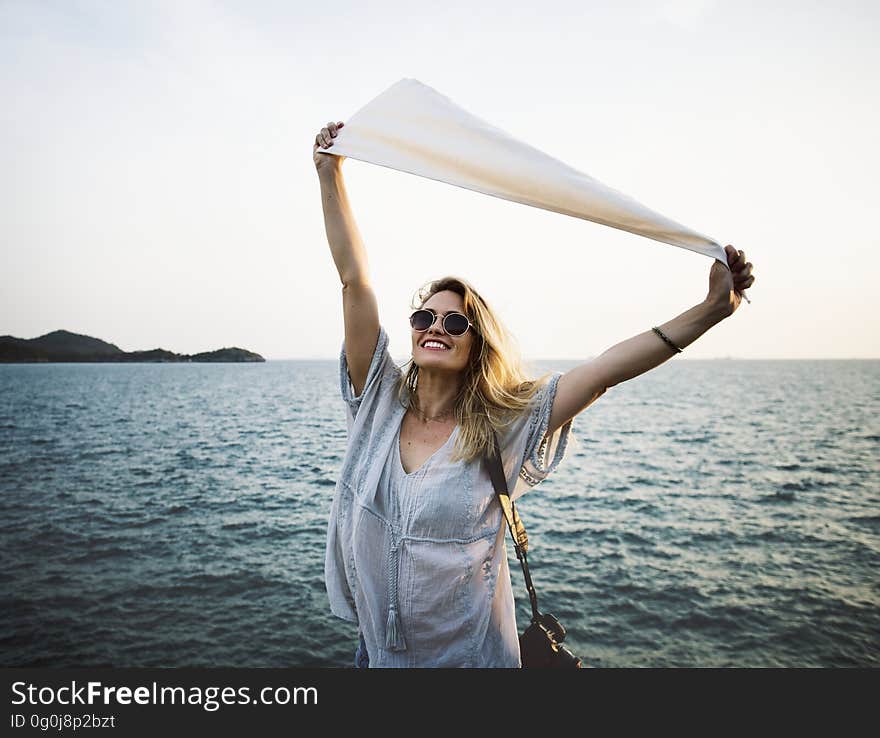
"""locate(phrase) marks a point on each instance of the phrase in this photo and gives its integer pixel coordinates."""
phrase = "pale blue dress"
(419, 561)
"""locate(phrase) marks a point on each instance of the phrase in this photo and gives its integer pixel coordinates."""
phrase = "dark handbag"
(540, 644)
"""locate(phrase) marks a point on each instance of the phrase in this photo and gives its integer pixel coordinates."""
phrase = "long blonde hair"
(496, 387)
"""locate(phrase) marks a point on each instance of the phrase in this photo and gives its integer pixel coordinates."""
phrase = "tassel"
(393, 636)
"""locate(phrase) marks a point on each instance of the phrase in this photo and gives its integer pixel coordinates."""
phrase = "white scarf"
(413, 128)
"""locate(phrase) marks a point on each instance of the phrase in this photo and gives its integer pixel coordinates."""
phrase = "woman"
(416, 540)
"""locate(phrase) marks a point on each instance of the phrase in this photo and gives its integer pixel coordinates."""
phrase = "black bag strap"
(514, 523)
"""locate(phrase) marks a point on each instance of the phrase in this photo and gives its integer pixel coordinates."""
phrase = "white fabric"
(413, 128)
(431, 545)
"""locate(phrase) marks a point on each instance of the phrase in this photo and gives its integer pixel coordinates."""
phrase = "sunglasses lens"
(455, 324)
(421, 320)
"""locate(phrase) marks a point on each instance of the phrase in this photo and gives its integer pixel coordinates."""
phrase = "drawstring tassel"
(393, 631)
(393, 636)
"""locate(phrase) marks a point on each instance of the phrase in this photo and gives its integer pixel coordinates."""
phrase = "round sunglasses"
(455, 324)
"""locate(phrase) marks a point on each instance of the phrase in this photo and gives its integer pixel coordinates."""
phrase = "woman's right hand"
(324, 140)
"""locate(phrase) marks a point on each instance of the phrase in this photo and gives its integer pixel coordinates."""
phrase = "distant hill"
(67, 346)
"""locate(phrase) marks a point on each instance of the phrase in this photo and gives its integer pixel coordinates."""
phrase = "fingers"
(735, 259)
(744, 277)
(739, 268)
(327, 134)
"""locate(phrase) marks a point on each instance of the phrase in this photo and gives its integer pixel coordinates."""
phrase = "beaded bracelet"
(665, 338)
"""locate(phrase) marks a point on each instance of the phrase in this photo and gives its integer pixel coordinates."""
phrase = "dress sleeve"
(380, 365)
(526, 449)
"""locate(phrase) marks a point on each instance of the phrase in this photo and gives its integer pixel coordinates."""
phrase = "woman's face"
(455, 357)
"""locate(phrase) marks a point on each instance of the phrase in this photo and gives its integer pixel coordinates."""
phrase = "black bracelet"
(664, 337)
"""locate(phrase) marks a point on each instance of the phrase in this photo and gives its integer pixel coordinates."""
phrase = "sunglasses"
(455, 324)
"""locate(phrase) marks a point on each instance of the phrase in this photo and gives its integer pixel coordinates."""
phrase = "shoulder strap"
(514, 523)
(517, 529)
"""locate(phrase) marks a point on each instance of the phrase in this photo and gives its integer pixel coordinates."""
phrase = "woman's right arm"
(359, 306)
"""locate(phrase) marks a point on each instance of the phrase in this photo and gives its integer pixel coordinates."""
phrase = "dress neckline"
(427, 461)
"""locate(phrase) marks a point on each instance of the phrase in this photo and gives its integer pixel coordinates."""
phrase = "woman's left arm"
(578, 388)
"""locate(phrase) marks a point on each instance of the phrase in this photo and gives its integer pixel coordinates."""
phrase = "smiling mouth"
(432, 345)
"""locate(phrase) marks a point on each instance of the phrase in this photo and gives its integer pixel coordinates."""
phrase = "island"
(65, 346)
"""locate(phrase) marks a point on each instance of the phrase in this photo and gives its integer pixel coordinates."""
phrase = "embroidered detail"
(539, 458)
(542, 420)
(529, 479)
(537, 464)
(542, 452)
(487, 569)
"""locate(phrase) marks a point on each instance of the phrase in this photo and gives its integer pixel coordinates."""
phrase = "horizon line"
(680, 358)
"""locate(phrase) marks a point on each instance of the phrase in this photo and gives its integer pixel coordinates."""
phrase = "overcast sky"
(158, 189)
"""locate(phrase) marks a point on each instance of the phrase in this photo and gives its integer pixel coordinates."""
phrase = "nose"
(438, 323)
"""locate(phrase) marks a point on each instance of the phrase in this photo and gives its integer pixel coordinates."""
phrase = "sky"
(157, 187)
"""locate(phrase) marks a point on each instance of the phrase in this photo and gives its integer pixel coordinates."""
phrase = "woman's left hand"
(726, 287)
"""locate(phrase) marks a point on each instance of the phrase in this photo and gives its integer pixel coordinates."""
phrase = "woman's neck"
(435, 396)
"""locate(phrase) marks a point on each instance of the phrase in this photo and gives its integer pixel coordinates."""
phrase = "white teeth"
(437, 344)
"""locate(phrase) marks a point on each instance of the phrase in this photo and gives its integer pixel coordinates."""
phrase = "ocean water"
(712, 513)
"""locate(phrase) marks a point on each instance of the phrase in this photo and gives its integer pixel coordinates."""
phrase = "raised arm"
(578, 388)
(359, 306)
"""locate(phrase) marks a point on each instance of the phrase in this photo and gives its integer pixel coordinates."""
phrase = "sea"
(717, 513)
